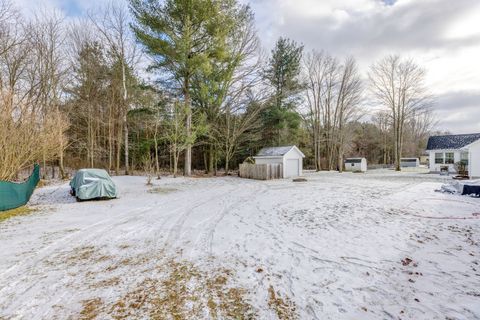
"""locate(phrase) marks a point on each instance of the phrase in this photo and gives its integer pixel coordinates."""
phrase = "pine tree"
(281, 119)
(182, 36)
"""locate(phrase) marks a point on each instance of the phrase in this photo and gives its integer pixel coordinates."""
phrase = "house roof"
(454, 141)
(276, 151)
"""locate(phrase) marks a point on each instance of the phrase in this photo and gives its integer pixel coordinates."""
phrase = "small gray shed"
(409, 162)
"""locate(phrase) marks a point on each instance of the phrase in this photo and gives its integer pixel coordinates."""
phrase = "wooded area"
(177, 85)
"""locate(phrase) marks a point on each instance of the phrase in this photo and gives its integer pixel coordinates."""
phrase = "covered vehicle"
(89, 184)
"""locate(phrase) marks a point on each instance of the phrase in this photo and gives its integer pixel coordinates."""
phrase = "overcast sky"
(441, 35)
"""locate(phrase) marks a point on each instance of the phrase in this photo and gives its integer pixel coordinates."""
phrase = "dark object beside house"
(471, 190)
(444, 170)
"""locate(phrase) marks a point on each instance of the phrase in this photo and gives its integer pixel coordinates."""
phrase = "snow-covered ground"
(381, 245)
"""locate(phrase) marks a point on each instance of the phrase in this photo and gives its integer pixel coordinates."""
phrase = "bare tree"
(347, 106)
(31, 83)
(398, 85)
(333, 95)
(26, 137)
(243, 102)
(47, 71)
(236, 124)
(88, 91)
(113, 26)
(419, 128)
(9, 18)
(315, 67)
(382, 121)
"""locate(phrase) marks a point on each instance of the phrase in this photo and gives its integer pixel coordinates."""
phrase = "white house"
(445, 151)
(356, 164)
(289, 156)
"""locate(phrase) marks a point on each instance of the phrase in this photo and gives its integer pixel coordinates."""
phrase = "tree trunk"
(170, 161)
(205, 160)
(188, 150)
(110, 144)
(92, 137)
(215, 168)
(227, 163)
(118, 151)
(125, 129)
(340, 156)
(60, 161)
(157, 164)
(44, 165)
(210, 158)
(175, 161)
(397, 145)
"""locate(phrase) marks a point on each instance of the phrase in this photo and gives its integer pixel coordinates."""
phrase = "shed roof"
(276, 151)
(453, 141)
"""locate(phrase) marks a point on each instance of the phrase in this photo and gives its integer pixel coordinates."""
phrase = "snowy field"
(380, 245)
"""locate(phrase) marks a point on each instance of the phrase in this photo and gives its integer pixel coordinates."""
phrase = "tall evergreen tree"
(281, 120)
(182, 36)
(220, 92)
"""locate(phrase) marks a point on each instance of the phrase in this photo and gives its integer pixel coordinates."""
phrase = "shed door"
(292, 168)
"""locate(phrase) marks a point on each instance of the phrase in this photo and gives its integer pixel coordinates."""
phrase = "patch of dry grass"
(173, 290)
(90, 309)
(20, 211)
(83, 255)
(185, 292)
(106, 283)
(283, 307)
(161, 190)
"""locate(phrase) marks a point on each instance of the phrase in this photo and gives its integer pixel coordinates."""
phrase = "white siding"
(359, 166)
(474, 160)
(435, 167)
(288, 170)
(292, 168)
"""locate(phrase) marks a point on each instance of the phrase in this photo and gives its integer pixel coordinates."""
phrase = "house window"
(439, 158)
(464, 157)
(449, 158)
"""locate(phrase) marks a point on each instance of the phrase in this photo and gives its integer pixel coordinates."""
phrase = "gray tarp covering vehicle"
(89, 184)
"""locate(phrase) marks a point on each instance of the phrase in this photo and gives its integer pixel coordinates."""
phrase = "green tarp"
(93, 184)
(14, 195)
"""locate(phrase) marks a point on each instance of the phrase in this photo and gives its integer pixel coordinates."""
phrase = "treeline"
(180, 85)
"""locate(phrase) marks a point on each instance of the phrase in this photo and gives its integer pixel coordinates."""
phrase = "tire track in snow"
(131, 218)
(79, 236)
(71, 236)
(175, 231)
(82, 235)
(206, 238)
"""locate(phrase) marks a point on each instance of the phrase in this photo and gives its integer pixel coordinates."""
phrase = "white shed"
(289, 156)
(356, 164)
(409, 162)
